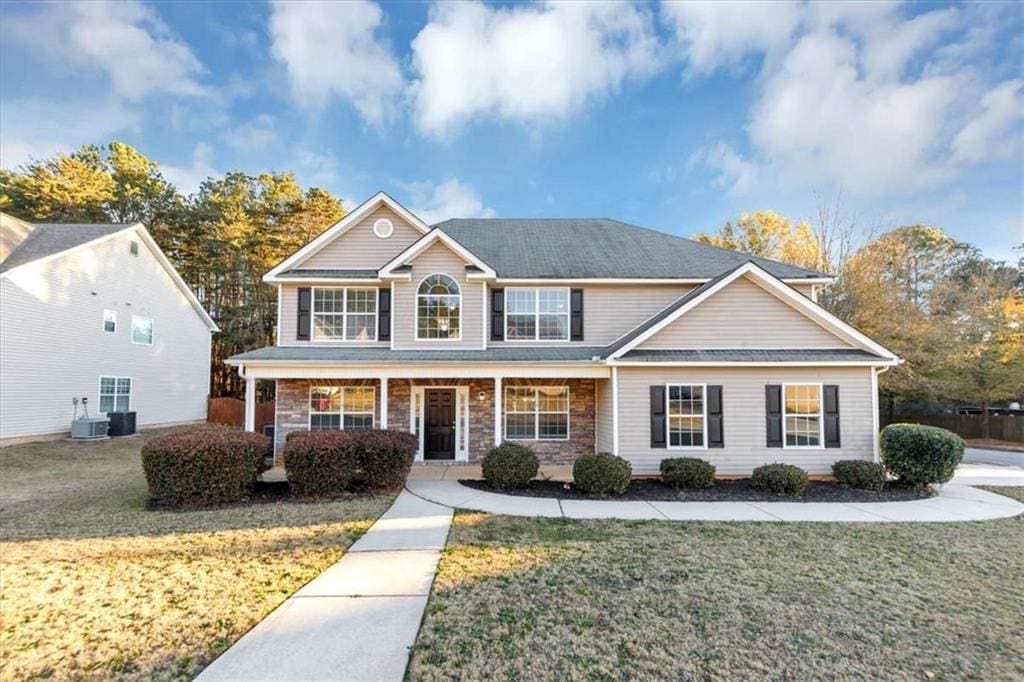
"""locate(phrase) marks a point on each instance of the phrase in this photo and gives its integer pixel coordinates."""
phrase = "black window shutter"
(658, 417)
(576, 314)
(305, 316)
(716, 431)
(383, 314)
(497, 314)
(831, 416)
(773, 405)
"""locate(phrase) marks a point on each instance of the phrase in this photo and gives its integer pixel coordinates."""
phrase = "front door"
(439, 441)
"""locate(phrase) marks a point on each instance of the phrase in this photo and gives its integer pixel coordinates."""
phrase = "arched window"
(438, 308)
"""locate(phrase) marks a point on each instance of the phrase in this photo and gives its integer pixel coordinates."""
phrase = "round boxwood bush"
(509, 465)
(859, 474)
(780, 479)
(204, 466)
(329, 463)
(601, 474)
(687, 472)
(921, 455)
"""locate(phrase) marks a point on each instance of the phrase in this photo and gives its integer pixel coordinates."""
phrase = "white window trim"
(344, 316)
(704, 419)
(341, 406)
(103, 325)
(536, 414)
(537, 313)
(820, 415)
(417, 409)
(416, 309)
(152, 330)
(99, 392)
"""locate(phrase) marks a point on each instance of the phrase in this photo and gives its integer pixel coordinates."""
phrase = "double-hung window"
(687, 416)
(115, 394)
(537, 413)
(341, 407)
(344, 314)
(801, 426)
(110, 321)
(540, 314)
(142, 330)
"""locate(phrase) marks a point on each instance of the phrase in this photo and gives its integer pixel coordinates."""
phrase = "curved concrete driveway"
(954, 502)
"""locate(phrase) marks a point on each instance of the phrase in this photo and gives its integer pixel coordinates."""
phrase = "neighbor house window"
(802, 423)
(344, 314)
(537, 314)
(341, 407)
(438, 308)
(115, 394)
(142, 330)
(537, 413)
(686, 416)
(110, 321)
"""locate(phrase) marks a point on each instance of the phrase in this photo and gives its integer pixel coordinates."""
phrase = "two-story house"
(571, 336)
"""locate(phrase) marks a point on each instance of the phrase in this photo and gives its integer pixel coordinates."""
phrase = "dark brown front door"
(440, 423)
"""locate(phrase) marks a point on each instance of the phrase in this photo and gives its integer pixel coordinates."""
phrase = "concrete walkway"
(954, 502)
(357, 619)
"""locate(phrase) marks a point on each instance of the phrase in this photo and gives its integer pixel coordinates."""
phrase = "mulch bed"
(738, 490)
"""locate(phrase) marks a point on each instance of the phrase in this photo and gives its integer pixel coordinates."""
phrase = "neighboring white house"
(95, 311)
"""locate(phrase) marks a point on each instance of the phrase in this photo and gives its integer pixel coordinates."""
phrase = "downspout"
(875, 373)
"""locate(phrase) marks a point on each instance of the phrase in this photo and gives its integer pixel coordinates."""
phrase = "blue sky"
(676, 116)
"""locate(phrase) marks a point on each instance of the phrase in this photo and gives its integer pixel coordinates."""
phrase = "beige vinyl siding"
(53, 347)
(603, 416)
(805, 289)
(288, 315)
(438, 258)
(743, 403)
(610, 311)
(358, 248)
(743, 315)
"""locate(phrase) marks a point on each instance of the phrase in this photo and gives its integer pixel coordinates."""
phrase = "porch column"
(615, 411)
(250, 404)
(384, 402)
(497, 410)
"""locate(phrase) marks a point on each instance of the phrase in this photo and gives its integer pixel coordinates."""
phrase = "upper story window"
(110, 321)
(133, 247)
(142, 330)
(801, 427)
(540, 314)
(344, 314)
(438, 308)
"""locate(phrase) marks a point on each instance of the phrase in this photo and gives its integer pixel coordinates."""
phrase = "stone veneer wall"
(292, 401)
(582, 408)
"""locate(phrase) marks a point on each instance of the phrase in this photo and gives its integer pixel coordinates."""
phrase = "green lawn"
(95, 586)
(525, 599)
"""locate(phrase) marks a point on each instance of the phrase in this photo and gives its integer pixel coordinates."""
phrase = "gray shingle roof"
(48, 239)
(752, 355)
(596, 247)
(345, 274)
(386, 355)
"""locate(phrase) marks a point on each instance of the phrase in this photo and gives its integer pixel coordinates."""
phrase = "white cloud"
(450, 199)
(986, 135)
(735, 173)
(316, 169)
(188, 179)
(126, 41)
(333, 48)
(256, 134)
(526, 64)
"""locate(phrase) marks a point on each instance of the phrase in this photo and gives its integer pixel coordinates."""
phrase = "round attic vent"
(383, 228)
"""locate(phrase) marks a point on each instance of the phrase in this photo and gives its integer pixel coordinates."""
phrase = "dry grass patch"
(522, 599)
(1016, 492)
(94, 586)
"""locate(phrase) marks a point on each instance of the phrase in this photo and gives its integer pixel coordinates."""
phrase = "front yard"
(521, 599)
(96, 586)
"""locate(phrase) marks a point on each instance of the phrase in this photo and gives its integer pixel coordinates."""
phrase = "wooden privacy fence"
(1000, 427)
(231, 412)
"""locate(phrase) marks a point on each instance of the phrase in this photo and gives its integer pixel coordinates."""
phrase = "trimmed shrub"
(859, 474)
(687, 472)
(780, 479)
(509, 465)
(601, 474)
(921, 455)
(204, 466)
(328, 463)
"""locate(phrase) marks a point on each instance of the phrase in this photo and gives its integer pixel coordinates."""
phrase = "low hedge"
(601, 474)
(687, 472)
(859, 474)
(204, 466)
(509, 465)
(327, 463)
(921, 455)
(780, 479)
